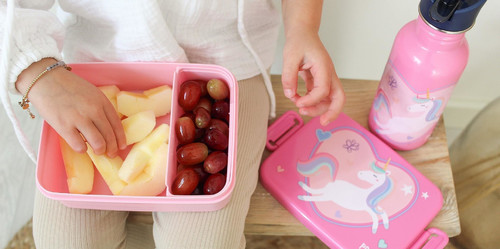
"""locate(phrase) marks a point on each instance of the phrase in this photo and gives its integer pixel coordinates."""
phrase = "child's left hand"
(305, 55)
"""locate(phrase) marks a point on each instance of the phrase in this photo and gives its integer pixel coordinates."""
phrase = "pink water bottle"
(427, 59)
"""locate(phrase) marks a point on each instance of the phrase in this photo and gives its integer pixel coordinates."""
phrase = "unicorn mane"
(379, 193)
(377, 169)
(436, 105)
(432, 114)
(310, 167)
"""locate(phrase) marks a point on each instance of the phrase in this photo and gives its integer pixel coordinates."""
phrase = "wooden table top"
(266, 215)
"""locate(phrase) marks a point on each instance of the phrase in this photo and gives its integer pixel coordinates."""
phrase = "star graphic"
(408, 189)
(425, 195)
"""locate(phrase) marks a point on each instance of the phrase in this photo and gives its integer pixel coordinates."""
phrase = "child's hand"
(73, 106)
(306, 56)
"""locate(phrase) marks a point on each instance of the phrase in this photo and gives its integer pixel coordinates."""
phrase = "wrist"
(27, 75)
(301, 33)
(22, 83)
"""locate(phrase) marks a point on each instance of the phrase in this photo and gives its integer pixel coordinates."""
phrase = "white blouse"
(236, 34)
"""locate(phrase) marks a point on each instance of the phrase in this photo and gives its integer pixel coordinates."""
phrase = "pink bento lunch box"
(50, 171)
(348, 187)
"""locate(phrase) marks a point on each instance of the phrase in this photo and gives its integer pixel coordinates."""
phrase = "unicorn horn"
(386, 164)
(427, 93)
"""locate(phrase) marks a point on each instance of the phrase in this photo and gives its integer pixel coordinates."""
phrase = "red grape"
(220, 110)
(202, 117)
(200, 133)
(217, 89)
(180, 167)
(185, 130)
(219, 125)
(205, 103)
(192, 153)
(214, 184)
(198, 190)
(185, 182)
(203, 86)
(215, 162)
(189, 95)
(216, 140)
(189, 115)
(198, 168)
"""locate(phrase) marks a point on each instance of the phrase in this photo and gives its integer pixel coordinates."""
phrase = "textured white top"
(236, 34)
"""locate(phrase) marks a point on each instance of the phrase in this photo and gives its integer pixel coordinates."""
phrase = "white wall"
(359, 35)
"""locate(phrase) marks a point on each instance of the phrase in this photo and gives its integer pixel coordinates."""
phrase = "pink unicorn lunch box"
(348, 187)
(50, 171)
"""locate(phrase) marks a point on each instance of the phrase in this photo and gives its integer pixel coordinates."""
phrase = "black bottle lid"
(450, 15)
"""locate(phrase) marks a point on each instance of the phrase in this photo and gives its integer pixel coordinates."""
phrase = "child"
(239, 35)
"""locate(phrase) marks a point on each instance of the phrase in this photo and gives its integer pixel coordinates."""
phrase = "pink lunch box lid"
(348, 187)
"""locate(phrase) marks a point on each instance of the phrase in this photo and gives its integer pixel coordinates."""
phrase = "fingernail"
(324, 122)
(288, 93)
(303, 112)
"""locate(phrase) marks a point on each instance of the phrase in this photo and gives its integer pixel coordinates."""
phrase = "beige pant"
(56, 226)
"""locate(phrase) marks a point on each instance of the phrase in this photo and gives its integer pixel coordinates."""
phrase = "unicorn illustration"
(346, 194)
(427, 110)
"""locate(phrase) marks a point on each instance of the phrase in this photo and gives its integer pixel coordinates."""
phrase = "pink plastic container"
(50, 171)
(348, 187)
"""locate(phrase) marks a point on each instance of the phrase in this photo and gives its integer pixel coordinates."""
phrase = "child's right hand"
(74, 108)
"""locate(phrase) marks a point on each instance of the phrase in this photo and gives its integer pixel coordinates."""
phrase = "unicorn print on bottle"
(348, 195)
(425, 111)
(402, 116)
(348, 183)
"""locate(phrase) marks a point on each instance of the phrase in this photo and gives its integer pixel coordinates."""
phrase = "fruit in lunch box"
(219, 125)
(214, 184)
(157, 99)
(79, 169)
(215, 162)
(206, 153)
(108, 168)
(189, 95)
(185, 182)
(185, 130)
(198, 168)
(205, 103)
(202, 117)
(216, 140)
(142, 152)
(110, 92)
(138, 126)
(193, 153)
(203, 86)
(220, 110)
(161, 98)
(151, 181)
(217, 89)
(189, 115)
